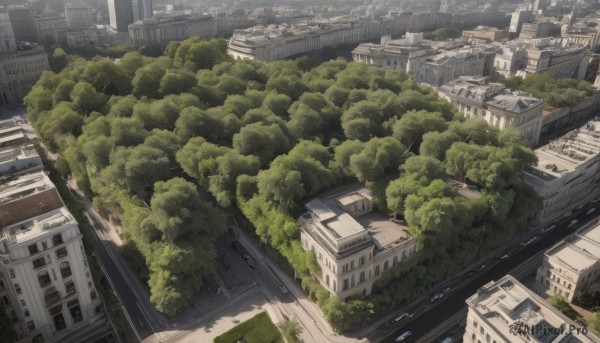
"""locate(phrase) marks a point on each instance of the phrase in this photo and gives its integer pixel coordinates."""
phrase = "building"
(567, 174)
(78, 17)
(539, 6)
(142, 9)
(505, 311)
(50, 30)
(45, 270)
(280, 41)
(7, 36)
(490, 34)
(353, 245)
(19, 71)
(23, 25)
(26, 197)
(476, 97)
(19, 160)
(162, 30)
(444, 67)
(581, 36)
(95, 35)
(536, 30)
(572, 265)
(517, 19)
(120, 13)
(448, 6)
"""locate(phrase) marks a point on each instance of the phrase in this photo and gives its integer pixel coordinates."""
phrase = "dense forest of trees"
(142, 135)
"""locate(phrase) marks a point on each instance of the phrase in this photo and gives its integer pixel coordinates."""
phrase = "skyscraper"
(142, 9)
(120, 14)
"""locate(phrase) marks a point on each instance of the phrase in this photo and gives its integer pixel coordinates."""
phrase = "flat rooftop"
(16, 153)
(579, 251)
(565, 154)
(23, 186)
(38, 226)
(506, 301)
(333, 217)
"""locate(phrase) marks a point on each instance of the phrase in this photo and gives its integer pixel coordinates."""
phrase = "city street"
(527, 259)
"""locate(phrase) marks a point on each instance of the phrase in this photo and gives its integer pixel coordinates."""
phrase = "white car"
(402, 317)
(547, 229)
(529, 241)
(504, 257)
(572, 223)
(403, 337)
(590, 211)
(437, 297)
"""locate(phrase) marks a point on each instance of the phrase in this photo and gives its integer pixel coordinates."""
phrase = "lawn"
(258, 329)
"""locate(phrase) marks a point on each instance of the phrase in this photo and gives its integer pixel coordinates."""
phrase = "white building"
(572, 265)
(281, 41)
(94, 35)
(161, 30)
(505, 311)
(567, 174)
(353, 245)
(50, 30)
(476, 97)
(78, 17)
(45, 270)
(19, 160)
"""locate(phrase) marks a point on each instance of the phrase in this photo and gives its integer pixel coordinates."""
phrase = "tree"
(277, 103)
(146, 81)
(145, 166)
(58, 60)
(198, 158)
(380, 156)
(229, 166)
(435, 144)
(86, 98)
(106, 77)
(176, 81)
(127, 131)
(63, 91)
(411, 127)
(563, 306)
(361, 121)
(169, 293)
(593, 322)
(7, 334)
(344, 152)
(289, 85)
(261, 140)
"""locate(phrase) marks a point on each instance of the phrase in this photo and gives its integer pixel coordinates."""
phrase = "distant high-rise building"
(142, 9)
(78, 17)
(23, 25)
(539, 5)
(7, 36)
(448, 6)
(120, 14)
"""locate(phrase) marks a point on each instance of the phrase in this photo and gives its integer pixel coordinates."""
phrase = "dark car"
(249, 261)
(237, 246)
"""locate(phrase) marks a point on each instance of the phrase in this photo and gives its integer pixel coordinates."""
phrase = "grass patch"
(258, 329)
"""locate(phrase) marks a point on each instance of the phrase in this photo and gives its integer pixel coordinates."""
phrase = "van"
(403, 337)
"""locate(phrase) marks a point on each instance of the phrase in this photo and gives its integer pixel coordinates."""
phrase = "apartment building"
(44, 267)
(476, 97)
(78, 17)
(490, 34)
(19, 160)
(19, 71)
(7, 36)
(572, 265)
(505, 311)
(567, 174)
(353, 244)
(161, 30)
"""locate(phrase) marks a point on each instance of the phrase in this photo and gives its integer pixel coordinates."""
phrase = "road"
(426, 320)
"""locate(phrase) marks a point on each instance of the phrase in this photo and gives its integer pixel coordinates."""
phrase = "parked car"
(283, 289)
(403, 337)
(447, 340)
(504, 257)
(237, 246)
(547, 229)
(596, 199)
(480, 268)
(446, 290)
(590, 211)
(249, 261)
(401, 317)
(529, 241)
(572, 223)
(437, 297)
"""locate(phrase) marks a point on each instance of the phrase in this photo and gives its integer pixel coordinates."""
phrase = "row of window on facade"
(488, 338)
(34, 248)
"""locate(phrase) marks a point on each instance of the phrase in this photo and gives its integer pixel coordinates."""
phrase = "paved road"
(426, 320)
(120, 284)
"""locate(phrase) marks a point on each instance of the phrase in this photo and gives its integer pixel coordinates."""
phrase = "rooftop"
(10, 154)
(506, 302)
(579, 251)
(24, 186)
(30, 229)
(565, 154)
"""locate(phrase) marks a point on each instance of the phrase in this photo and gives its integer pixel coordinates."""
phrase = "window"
(65, 269)
(361, 261)
(51, 296)
(38, 263)
(23, 303)
(362, 277)
(33, 249)
(395, 263)
(12, 273)
(344, 288)
(376, 270)
(75, 310)
(44, 278)
(17, 288)
(352, 265)
(6, 301)
(70, 288)
(30, 325)
(57, 239)
(44, 245)
(352, 281)
(62, 252)
(59, 322)
(26, 313)
(385, 265)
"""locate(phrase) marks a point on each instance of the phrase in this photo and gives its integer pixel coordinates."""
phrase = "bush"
(258, 329)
